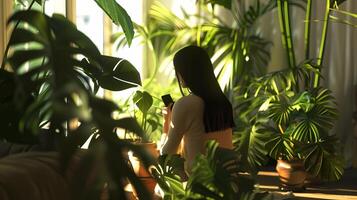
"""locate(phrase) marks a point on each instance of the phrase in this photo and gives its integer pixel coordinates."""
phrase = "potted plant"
(149, 120)
(296, 123)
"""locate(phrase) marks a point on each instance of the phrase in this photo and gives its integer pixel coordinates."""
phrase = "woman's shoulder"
(190, 100)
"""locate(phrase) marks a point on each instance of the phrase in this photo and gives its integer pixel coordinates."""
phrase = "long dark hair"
(193, 64)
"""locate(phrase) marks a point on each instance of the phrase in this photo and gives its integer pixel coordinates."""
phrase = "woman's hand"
(166, 112)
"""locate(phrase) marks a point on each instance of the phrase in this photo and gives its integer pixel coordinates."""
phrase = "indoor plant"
(215, 175)
(149, 120)
(63, 88)
(295, 123)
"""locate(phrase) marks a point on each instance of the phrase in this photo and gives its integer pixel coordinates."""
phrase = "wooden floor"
(345, 189)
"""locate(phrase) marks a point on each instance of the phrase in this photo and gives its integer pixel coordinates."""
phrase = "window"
(89, 19)
(55, 6)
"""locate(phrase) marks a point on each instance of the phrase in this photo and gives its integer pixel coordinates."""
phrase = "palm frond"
(321, 159)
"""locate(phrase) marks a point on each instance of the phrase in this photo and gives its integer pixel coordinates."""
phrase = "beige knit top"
(187, 126)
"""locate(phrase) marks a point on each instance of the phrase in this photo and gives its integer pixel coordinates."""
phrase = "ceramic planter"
(140, 169)
(292, 175)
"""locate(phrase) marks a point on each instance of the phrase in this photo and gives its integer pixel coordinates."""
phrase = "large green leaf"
(323, 160)
(280, 145)
(280, 110)
(118, 74)
(143, 101)
(250, 144)
(119, 16)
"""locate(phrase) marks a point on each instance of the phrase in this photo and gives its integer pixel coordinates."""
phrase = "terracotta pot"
(139, 168)
(292, 175)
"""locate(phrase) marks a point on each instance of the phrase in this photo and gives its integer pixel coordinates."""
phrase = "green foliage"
(283, 105)
(144, 101)
(54, 82)
(303, 117)
(74, 74)
(339, 16)
(166, 174)
(297, 123)
(322, 159)
(147, 110)
(116, 69)
(249, 142)
(273, 91)
(280, 146)
(235, 62)
(119, 16)
(215, 175)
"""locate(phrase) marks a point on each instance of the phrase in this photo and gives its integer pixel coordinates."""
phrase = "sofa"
(33, 175)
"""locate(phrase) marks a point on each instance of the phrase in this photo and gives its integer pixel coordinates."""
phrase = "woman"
(204, 114)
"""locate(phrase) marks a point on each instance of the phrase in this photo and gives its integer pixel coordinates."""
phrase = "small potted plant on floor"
(298, 124)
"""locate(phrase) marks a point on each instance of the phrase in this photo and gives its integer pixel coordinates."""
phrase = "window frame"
(6, 8)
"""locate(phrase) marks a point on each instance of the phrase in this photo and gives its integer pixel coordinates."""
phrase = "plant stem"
(281, 23)
(283, 13)
(8, 46)
(143, 124)
(289, 39)
(307, 29)
(323, 43)
(286, 36)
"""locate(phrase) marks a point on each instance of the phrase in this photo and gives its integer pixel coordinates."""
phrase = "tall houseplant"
(61, 73)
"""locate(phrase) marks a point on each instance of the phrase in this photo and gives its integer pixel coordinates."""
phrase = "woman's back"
(187, 123)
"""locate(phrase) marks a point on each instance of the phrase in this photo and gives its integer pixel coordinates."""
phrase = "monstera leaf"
(53, 62)
(118, 74)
